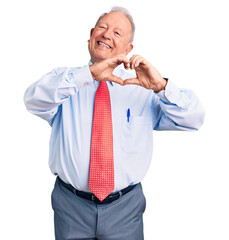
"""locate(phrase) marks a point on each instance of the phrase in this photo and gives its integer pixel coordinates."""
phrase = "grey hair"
(126, 13)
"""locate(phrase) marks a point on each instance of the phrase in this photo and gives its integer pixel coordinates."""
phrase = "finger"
(138, 61)
(115, 79)
(127, 66)
(131, 81)
(133, 60)
(121, 59)
(134, 56)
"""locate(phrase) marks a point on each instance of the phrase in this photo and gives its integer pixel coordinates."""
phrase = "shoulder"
(60, 70)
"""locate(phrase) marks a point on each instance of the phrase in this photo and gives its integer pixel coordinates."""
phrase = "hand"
(147, 76)
(102, 71)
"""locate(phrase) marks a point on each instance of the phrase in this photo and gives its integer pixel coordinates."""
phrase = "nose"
(107, 34)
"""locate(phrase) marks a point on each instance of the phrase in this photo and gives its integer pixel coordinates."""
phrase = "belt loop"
(120, 194)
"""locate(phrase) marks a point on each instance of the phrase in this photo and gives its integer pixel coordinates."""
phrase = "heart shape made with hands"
(146, 75)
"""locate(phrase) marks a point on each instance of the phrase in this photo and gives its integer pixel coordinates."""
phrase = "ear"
(129, 48)
(92, 30)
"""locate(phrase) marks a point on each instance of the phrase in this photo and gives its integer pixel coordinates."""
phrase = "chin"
(99, 58)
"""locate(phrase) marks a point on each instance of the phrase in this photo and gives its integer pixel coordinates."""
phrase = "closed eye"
(102, 27)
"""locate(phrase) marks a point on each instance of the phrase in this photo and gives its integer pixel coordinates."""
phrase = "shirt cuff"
(171, 94)
(82, 76)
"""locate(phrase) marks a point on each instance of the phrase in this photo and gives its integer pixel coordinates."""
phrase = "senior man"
(102, 121)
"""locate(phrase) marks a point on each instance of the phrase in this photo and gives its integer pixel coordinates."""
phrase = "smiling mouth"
(103, 44)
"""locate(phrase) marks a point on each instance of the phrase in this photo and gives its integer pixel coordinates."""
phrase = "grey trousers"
(78, 218)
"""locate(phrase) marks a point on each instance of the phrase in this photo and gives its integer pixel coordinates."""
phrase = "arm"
(173, 108)
(177, 109)
(43, 97)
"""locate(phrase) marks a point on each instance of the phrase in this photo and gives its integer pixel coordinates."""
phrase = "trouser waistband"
(90, 196)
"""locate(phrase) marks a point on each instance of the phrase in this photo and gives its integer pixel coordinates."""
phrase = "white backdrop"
(187, 186)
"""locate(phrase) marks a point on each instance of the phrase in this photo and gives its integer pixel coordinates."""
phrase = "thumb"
(131, 81)
(116, 79)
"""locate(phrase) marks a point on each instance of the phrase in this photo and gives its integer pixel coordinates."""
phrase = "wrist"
(161, 86)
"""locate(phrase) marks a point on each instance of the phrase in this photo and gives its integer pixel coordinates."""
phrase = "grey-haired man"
(139, 104)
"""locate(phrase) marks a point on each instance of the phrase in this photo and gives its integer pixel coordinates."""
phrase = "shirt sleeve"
(43, 97)
(177, 109)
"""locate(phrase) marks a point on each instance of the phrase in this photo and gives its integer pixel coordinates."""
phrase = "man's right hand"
(102, 71)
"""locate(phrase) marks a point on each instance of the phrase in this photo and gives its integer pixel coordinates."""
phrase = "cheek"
(121, 45)
(91, 44)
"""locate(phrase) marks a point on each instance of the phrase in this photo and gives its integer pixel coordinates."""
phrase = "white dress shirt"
(65, 98)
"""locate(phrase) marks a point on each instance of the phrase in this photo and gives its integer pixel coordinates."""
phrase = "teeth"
(101, 43)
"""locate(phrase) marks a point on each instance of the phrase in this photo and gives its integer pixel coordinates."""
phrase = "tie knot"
(103, 83)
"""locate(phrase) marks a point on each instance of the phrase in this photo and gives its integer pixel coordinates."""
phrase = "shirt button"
(85, 84)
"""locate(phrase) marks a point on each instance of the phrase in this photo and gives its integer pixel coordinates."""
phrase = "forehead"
(118, 20)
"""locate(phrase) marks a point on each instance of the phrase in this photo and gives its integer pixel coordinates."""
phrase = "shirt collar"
(116, 72)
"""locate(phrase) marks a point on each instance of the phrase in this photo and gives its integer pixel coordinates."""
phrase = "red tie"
(101, 174)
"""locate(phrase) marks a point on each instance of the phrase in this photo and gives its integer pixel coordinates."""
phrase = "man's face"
(110, 37)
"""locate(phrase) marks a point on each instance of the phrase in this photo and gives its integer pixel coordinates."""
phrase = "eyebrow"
(101, 21)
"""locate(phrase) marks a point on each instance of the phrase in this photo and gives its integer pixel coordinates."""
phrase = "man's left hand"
(147, 76)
